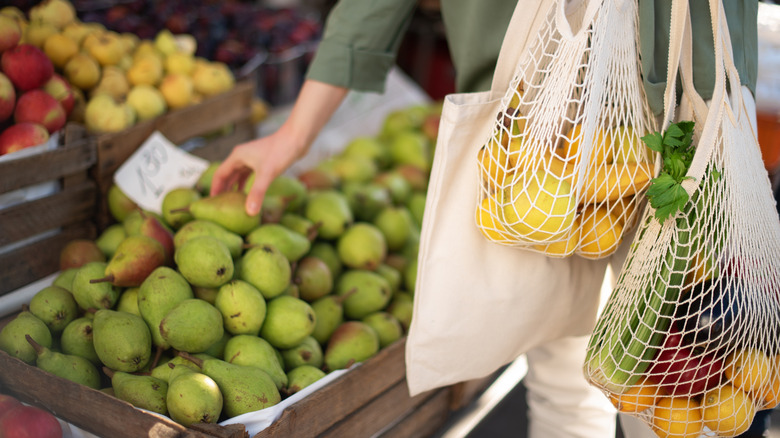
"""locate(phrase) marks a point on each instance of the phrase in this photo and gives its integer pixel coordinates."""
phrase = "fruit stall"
(299, 314)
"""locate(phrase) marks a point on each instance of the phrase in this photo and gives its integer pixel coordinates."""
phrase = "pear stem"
(341, 298)
(109, 372)
(180, 210)
(313, 231)
(36, 346)
(191, 358)
(157, 355)
(108, 278)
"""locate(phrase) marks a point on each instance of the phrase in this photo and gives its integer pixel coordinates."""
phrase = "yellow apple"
(177, 89)
(58, 13)
(107, 49)
(179, 63)
(82, 70)
(147, 69)
(212, 79)
(147, 101)
(104, 114)
(59, 48)
(37, 32)
(112, 82)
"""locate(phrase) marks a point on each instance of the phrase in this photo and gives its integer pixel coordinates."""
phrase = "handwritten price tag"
(156, 168)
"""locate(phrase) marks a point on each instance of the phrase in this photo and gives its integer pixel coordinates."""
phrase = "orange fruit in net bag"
(728, 410)
(678, 417)
(749, 370)
(769, 396)
(638, 398)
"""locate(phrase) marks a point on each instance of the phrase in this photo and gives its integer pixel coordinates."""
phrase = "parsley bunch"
(666, 193)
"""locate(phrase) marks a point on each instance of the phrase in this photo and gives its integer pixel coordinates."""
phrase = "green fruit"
(252, 351)
(89, 295)
(366, 199)
(108, 241)
(293, 245)
(301, 377)
(76, 339)
(205, 261)
(312, 278)
(145, 392)
(352, 342)
(197, 228)
(65, 279)
(242, 307)
(226, 209)
(362, 246)
(288, 321)
(70, 367)
(194, 398)
(330, 209)
(309, 352)
(128, 301)
(175, 204)
(368, 292)
(13, 336)
(162, 290)
(326, 252)
(122, 340)
(396, 225)
(192, 325)
(267, 269)
(328, 314)
(55, 306)
(387, 327)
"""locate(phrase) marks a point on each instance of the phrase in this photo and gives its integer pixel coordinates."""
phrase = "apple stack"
(34, 100)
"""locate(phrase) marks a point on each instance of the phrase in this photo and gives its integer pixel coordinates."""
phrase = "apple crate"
(35, 228)
(370, 400)
(214, 126)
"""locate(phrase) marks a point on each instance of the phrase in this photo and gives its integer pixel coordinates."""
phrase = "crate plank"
(60, 209)
(85, 407)
(322, 409)
(422, 421)
(464, 392)
(65, 160)
(379, 412)
(40, 258)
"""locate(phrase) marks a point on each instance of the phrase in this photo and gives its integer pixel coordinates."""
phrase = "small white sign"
(156, 168)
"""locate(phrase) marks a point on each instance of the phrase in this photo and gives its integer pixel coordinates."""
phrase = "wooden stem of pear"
(313, 231)
(36, 346)
(191, 358)
(109, 372)
(341, 298)
(157, 355)
(108, 278)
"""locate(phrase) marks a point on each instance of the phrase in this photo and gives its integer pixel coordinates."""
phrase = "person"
(359, 46)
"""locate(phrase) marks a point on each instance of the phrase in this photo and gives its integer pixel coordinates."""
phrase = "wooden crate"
(371, 400)
(229, 112)
(33, 232)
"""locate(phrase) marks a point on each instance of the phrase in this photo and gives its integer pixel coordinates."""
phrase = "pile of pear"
(118, 79)
(533, 197)
(204, 313)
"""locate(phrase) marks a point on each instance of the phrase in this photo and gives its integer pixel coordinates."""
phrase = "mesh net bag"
(689, 340)
(564, 168)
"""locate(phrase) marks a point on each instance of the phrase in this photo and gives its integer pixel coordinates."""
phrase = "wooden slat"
(423, 421)
(58, 210)
(66, 160)
(381, 411)
(87, 408)
(464, 392)
(38, 259)
(325, 407)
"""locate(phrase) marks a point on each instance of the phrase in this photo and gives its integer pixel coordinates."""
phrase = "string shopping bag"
(689, 340)
(564, 168)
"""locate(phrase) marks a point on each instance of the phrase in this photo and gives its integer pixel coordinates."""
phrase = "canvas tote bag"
(478, 305)
(689, 341)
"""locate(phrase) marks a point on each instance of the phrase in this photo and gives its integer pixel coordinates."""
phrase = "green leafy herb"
(666, 193)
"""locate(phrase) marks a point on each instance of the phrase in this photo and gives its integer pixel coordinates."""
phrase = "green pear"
(273, 208)
(108, 241)
(217, 349)
(329, 314)
(319, 178)
(392, 275)
(128, 301)
(122, 340)
(162, 290)
(70, 367)
(208, 294)
(55, 306)
(145, 392)
(226, 209)
(416, 206)
(135, 258)
(399, 121)
(205, 262)
(196, 228)
(399, 187)
(362, 246)
(242, 307)
(371, 292)
(396, 224)
(410, 275)
(292, 290)
(301, 377)
(174, 204)
(352, 342)
(76, 339)
(65, 279)
(327, 252)
(331, 209)
(89, 295)
(293, 245)
(164, 370)
(300, 225)
(13, 337)
(401, 307)
(244, 388)
(203, 184)
(308, 352)
(290, 188)
(366, 199)
(387, 327)
(253, 351)
(369, 147)
(411, 147)
(194, 398)
(192, 325)
(313, 278)
(288, 321)
(154, 227)
(354, 168)
(119, 204)
(265, 268)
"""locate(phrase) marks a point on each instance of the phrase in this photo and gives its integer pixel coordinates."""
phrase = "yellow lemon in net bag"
(727, 410)
(539, 206)
(678, 417)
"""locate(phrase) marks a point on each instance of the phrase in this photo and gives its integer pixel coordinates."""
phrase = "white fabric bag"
(688, 341)
(564, 169)
(478, 305)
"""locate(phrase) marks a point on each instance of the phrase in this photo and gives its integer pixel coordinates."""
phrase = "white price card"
(156, 168)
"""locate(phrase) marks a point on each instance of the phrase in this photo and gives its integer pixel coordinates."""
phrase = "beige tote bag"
(478, 305)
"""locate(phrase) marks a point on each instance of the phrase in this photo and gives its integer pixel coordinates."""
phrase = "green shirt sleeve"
(654, 23)
(360, 43)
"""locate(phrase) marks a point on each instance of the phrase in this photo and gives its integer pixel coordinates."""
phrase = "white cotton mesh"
(564, 169)
(689, 340)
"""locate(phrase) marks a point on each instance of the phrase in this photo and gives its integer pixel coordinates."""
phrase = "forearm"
(316, 103)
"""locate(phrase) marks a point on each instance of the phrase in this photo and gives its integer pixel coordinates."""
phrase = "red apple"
(38, 106)
(10, 32)
(26, 66)
(7, 403)
(61, 90)
(7, 97)
(22, 135)
(29, 421)
(79, 252)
